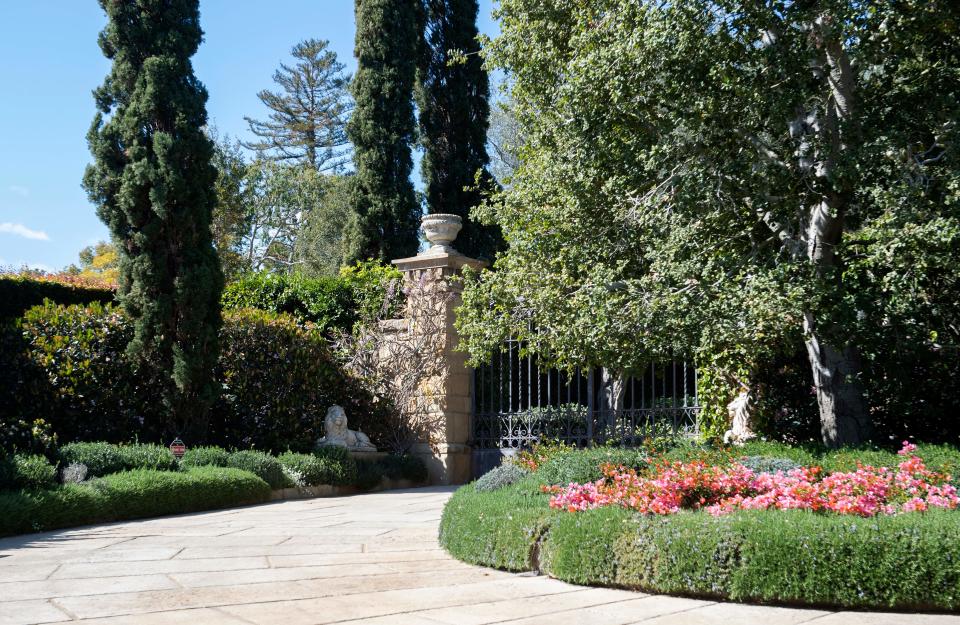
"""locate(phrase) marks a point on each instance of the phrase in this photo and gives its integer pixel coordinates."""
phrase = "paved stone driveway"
(369, 559)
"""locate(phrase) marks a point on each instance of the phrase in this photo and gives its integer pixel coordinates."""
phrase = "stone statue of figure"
(337, 433)
(739, 412)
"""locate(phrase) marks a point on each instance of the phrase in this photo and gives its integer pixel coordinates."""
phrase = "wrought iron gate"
(516, 404)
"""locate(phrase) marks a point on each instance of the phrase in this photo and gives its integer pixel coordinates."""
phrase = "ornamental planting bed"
(834, 530)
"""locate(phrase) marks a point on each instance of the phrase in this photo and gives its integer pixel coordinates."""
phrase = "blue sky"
(52, 63)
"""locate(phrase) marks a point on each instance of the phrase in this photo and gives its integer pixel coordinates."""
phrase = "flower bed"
(718, 529)
(721, 490)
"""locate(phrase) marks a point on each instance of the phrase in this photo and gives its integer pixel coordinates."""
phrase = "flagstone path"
(364, 560)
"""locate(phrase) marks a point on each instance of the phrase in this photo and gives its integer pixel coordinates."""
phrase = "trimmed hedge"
(67, 365)
(128, 495)
(261, 464)
(28, 471)
(18, 293)
(371, 472)
(205, 457)
(106, 458)
(504, 475)
(324, 301)
(905, 562)
(368, 290)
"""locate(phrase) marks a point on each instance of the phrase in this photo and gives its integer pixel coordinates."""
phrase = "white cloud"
(22, 231)
(21, 191)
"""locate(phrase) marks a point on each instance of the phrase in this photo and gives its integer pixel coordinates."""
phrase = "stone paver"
(363, 560)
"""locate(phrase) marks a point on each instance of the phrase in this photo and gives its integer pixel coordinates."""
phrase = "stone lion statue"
(337, 433)
(739, 411)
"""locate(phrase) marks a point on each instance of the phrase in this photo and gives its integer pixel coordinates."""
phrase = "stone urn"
(441, 229)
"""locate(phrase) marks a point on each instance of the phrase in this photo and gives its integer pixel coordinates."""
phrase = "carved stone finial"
(338, 435)
(441, 230)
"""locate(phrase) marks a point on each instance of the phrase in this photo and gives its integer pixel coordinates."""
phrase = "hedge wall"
(128, 495)
(67, 366)
(19, 293)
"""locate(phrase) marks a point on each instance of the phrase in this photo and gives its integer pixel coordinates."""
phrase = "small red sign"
(178, 448)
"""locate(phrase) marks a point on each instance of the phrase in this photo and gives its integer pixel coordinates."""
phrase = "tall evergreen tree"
(385, 214)
(452, 95)
(153, 184)
(308, 115)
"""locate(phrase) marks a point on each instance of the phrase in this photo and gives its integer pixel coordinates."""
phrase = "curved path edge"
(365, 559)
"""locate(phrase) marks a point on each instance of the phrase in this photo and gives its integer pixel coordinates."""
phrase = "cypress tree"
(385, 214)
(153, 184)
(452, 95)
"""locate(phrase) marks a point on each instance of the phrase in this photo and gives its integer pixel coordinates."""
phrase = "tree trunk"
(612, 391)
(844, 419)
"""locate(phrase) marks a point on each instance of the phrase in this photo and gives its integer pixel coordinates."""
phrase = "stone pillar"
(447, 453)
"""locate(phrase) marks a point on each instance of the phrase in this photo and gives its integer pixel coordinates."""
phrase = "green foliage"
(17, 434)
(278, 379)
(673, 217)
(21, 292)
(499, 529)
(128, 495)
(504, 475)
(370, 473)
(100, 458)
(314, 469)
(153, 185)
(106, 458)
(205, 457)
(340, 463)
(452, 92)
(308, 115)
(761, 464)
(376, 290)
(384, 212)
(324, 301)
(360, 293)
(261, 464)
(70, 369)
(902, 562)
(583, 465)
(26, 471)
(583, 547)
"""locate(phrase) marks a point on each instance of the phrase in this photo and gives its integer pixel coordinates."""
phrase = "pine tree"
(153, 184)
(308, 115)
(452, 95)
(384, 218)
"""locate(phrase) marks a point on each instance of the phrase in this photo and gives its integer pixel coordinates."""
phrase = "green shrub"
(70, 369)
(143, 456)
(324, 301)
(504, 475)
(129, 495)
(105, 458)
(499, 529)
(205, 457)
(583, 546)
(903, 562)
(279, 378)
(68, 365)
(365, 291)
(342, 466)
(371, 472)
(21, 292)
(312, 469)
(99, 458)
(583, 465)
(261, 464)
(144, 493)
(32, 472)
